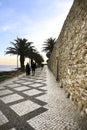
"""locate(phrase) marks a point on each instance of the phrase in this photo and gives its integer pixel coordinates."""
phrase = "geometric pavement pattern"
(19, 102)
(37, 103)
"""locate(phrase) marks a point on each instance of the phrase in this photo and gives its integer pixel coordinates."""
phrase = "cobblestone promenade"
(37, 103)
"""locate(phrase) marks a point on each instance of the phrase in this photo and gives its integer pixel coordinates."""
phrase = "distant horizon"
(12, 60)
(8, 67)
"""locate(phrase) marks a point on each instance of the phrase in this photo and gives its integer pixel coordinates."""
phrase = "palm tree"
(20, 48)
(30, 52)
(48, 46)
(33, 54)
(38, 58)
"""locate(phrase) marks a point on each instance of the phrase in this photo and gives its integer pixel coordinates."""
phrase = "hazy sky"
(35, 20)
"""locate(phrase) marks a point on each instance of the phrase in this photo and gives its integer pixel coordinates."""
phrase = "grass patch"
(9, 74)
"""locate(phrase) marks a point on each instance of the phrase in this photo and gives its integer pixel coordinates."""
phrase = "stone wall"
(71, 50)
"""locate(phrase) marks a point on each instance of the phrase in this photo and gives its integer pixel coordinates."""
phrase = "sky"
(35, 20)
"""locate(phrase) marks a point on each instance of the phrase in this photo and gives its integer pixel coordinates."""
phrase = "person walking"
(27, 69)
(33, 67)
(42, 65)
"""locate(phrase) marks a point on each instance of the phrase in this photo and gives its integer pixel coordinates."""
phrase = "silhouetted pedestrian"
(27, 69)
(33, 67)
(42, 65)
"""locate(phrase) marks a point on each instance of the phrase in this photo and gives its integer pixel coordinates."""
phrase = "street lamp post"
(17, 61)
(57, 61)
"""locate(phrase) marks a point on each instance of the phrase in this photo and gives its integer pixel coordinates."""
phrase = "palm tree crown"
(48, 46)
(21, 48)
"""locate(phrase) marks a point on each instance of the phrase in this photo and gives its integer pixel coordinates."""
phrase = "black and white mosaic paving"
(37, 103)
(19, 102)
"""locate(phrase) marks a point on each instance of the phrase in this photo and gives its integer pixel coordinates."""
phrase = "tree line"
(25, 49)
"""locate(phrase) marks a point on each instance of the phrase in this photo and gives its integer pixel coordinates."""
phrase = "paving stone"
(36, 85)
(1, 87)
(21, 88)
(11, 98)
(14, 85)
(3, 119)
(13, 129)
(27, 83)
(39, 80)
(20, 81)
(31, 80)
(24, 107)
(5, 92)
(43, 98)
(32, 92)
(43, 88)
(25, 78)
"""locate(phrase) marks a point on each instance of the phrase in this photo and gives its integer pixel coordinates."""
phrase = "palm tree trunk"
(31, 61)
(22, 62)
